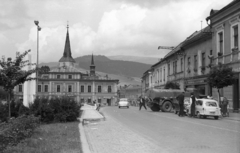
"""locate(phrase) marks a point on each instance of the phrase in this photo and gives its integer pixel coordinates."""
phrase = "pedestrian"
(180, 99)
(224, 106)
(142, 101)
(98, 106)
(192, 101)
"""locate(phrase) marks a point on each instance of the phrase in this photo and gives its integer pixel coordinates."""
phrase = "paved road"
(179, 134)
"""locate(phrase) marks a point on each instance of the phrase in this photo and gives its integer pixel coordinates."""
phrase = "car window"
(124, 99)
(211, 104)
(199, 102)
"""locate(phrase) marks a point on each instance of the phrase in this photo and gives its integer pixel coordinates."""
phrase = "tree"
(172, 85)
(220, 76)
(44, 69)
(12, 74)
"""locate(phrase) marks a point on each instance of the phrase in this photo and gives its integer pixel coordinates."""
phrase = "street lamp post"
(38, 29)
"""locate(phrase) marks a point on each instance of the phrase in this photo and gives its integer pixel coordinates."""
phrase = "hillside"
(146, 60)
(118, 67)
(127, 72)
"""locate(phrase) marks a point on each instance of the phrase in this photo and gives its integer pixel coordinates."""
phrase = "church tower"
(67, 59)
(92, 67)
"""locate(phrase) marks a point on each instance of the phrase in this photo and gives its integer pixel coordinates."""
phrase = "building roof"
(67, 69)
(67, 55)
(215, 12)
(195, 36)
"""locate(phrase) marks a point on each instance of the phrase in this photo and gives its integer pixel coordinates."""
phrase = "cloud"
(52, 41)
(133, 27)
(150, 3)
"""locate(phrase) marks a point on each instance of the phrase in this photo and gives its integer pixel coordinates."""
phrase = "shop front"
(199, 84)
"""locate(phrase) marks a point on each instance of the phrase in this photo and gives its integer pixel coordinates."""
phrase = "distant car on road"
(206, 108)
(123, 102)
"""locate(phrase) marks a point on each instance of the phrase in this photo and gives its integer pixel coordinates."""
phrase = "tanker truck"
(162, 99)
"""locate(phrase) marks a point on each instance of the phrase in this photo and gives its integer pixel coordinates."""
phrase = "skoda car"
(206, 108)
(123, 102)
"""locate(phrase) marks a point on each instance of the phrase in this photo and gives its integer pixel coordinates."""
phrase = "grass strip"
(51, 138)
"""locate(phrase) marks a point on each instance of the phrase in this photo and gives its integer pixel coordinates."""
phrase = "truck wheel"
(167, 106)
(155, 107)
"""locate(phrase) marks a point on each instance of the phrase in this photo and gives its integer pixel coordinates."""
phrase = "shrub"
(56, 109)
(172, 85)
(3, 112)
(15, 130)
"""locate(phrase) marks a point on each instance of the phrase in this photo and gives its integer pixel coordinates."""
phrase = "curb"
(233, 119)
(83, 139)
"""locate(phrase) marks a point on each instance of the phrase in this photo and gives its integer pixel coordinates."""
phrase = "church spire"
(92, 67)
(67, 54)
(92, 62)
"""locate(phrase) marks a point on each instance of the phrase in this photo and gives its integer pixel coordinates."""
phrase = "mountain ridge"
(128, 72)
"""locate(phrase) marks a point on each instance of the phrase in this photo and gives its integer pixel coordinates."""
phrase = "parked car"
(123, 102)
(206, 108)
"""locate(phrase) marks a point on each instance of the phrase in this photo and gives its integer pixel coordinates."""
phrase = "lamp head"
(36, 22)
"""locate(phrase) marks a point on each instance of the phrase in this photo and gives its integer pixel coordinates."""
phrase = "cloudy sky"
(101, 27)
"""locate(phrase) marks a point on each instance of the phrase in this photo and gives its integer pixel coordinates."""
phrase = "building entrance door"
(109, 102)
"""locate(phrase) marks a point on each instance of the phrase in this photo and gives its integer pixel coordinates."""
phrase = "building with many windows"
(68, 80)
(225, 25)
(189, 62)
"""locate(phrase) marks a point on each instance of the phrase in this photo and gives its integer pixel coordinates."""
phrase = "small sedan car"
(123, 102)
(205, 108)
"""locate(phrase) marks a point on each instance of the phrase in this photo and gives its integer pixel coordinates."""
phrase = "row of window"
(161, 77)
(69, 89)
(59, 77)
(234, 38)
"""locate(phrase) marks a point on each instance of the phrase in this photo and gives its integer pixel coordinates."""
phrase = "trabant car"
(206, 108)
(123, 102)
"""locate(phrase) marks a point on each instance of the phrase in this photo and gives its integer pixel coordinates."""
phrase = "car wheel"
(127, 106)
(204, 117)
(118, 106)
(167, 106)
(199, 115)
(216, 117)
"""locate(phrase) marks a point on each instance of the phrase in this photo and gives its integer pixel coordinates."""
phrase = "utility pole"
(38, 29)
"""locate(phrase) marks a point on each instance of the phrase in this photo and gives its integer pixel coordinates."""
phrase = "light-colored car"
(123, 102)
(205, 108)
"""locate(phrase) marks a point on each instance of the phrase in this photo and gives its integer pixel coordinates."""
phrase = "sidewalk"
(233, 116)
(110, 136)
(89, 113)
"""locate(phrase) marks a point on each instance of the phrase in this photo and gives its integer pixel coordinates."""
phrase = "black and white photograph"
(119, 76)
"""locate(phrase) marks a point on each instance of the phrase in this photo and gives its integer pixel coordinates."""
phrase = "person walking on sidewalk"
(142, 101)
(192, 101)
(180, 99)
(224, 107)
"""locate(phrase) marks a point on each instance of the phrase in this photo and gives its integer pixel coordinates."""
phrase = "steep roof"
(197, 35)
(67, 55)
(92, 62)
